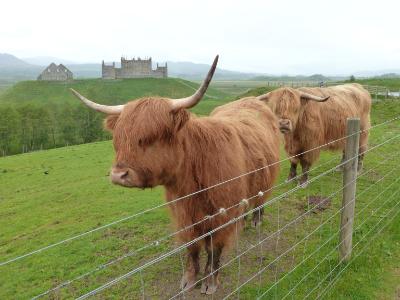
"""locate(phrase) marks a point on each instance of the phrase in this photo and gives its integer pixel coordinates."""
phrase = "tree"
(9, 130)
(352, 78)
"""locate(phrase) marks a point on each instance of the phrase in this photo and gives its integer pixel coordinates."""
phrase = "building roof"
(54, 68)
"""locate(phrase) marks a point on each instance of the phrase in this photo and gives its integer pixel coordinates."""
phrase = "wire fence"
(296, 247)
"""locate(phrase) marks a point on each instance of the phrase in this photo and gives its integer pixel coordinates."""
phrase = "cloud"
(294, 37)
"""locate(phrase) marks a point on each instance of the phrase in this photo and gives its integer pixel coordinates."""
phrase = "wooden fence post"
(349, 188)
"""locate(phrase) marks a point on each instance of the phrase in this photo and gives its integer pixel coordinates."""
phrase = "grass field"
(106, 91)
(50, 195)
(45, 115)
(392, 84)
(238, 87)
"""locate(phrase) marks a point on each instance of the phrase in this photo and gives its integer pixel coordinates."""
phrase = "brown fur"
(317, 123)
(186, 153)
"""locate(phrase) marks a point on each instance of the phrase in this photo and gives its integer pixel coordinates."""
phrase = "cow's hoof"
(208, 287)
(188, 282)
(303, 185)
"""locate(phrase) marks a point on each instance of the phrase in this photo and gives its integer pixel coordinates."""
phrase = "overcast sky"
(279, 37)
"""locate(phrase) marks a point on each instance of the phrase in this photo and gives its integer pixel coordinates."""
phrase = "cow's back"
(347, 97)
(257, 127)
(346, 101)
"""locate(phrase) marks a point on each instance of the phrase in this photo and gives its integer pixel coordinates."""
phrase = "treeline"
(29, 127)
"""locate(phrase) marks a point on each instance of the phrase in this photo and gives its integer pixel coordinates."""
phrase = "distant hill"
(8, 60)
(194, 71)
(13, 69)
(378, 73)
(187, 70)
(315, 77)
(389, 75)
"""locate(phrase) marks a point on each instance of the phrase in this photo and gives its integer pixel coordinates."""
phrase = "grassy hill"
(50, 195)
(103, 91)
(44, 114)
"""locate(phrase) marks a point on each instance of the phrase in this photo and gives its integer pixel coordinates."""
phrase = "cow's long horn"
(307, 96)
(107, 109)
(191, 101)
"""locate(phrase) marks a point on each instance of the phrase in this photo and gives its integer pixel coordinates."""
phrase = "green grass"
(106, 91)
(44, 115)
(50, 195)
(237, 87)
(392, 84)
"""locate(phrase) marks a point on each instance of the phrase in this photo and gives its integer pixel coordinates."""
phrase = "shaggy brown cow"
(308, 119)
(158, 142)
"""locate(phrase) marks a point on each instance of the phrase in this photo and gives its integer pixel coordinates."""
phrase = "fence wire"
(134, 271)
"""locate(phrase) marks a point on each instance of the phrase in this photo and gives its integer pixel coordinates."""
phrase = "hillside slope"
(103, 91)
(42, 115)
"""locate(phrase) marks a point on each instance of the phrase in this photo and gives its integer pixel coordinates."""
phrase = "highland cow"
(311, 117)
(159, 142)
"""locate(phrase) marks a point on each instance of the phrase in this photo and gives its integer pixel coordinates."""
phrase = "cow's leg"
(341, 166)
(362, 149)
(192, 267)
(210, 284)
(293, 169)
(305, 165)
(257, 216)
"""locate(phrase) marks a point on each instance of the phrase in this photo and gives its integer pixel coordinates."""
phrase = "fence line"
(139, 270)
(162, 239)
(361, 251)
(294, 221)
(320, 247)
(232, 221)
(334, 249)
(187, 196)
(311, 210)
(357, 242)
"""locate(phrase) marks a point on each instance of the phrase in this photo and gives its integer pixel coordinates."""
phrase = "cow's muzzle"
(285, 126)
(124, 177)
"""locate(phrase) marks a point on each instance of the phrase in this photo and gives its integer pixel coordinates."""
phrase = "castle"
(56, 73)
(133, 68)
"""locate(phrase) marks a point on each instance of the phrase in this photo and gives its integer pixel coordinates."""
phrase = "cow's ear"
(264, 98)
(110, 121)
(180, 116)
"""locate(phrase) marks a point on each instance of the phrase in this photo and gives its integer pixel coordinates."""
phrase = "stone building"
(56, 73)
(133, 68)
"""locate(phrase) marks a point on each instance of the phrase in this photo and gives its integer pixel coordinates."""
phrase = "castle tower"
(108, 71)
(133, 68)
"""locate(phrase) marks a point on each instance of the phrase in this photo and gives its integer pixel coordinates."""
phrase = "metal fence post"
(349, 188)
